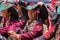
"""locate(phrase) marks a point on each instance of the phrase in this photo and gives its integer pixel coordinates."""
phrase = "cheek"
(4, 15)
(34, 15)
(29, 14)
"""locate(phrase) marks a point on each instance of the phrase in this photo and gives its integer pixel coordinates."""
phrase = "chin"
(31, 19)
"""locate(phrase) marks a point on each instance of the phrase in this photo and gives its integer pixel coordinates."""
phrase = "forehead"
(31, 10)
(4, 11)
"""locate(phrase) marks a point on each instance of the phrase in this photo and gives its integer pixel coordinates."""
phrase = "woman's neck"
(32, 20)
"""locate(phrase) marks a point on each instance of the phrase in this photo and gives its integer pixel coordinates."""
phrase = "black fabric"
(43, 13)
(25, 12)
(14, 14)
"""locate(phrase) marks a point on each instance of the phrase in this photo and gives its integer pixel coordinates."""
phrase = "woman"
(15, 27)
(51, 31)
(28, 35)
(10, 15)
(53, 25)
(33, 29)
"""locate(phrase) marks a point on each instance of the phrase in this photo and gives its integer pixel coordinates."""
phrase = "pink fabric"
(37, 31)
(10, 23)
(49, 34)
(13, 27)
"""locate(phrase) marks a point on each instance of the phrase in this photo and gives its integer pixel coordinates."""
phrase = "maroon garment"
(36, 32)
(13, 27)
(9, 23)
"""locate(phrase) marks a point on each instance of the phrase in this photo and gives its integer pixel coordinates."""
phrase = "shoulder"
(39, 25)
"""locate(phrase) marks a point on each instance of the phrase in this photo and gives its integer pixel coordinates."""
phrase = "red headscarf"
(53, 2)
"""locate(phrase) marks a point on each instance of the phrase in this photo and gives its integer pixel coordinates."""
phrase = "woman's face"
(5, 14)
(32, 14)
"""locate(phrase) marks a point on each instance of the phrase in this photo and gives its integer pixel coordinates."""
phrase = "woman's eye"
(31, 13)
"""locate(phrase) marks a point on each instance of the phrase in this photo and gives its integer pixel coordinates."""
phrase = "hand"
(14, 35)
(11, 32)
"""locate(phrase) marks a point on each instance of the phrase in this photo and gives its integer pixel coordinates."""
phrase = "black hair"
(1, 18)
(43, 12)
(14, 15)
(24, 11)
(56, 8)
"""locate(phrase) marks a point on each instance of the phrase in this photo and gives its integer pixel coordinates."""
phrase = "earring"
(38, 12)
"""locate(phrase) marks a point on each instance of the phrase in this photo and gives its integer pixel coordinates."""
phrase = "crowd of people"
(29, 20)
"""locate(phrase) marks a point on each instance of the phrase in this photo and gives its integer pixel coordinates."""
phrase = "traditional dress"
(15, 27)
(32, 30)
